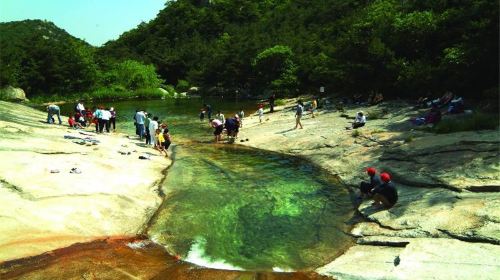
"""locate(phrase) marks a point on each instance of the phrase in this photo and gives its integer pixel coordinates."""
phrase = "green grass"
(280, 102)
(376, 114)
(355, 133)
(472, 122)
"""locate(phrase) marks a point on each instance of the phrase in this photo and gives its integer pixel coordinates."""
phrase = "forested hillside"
(403, 48)
(43, 59)
(399, 48)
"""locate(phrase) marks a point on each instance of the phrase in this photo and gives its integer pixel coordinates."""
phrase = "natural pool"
(233, 207)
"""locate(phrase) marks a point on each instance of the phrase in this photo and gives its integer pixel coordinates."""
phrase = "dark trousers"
(148, 136)
(101, 124)
(113, 122)
(356, 125)
(106, 123)
(365, 187)
(98, 126)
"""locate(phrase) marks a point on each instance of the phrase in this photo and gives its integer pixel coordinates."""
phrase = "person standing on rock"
(139, 120)
(386, 194)
(80, 108)
(314, 106)
(261, 113)
(112, 120)
(298, 114)
(153, 126)
(272, 99)
(365, 188)
(106, 116)
(53, 109)
(98, 117)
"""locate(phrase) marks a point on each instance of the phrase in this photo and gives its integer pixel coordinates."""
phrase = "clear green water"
(233, 207)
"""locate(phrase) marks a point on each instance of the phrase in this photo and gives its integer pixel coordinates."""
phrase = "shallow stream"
(233, 207)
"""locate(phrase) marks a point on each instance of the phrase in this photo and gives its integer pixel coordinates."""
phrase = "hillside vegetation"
(399, 48)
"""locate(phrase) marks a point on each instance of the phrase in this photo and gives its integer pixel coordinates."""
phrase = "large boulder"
(11, 93)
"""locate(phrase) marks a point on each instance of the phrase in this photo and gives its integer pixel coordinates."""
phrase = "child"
(261, 112)
(241, 114)
(159, 139)
(167, 141)
(73, 123)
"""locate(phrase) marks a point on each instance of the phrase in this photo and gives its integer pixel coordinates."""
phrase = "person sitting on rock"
(432, 117)
(359, 121)
(385, 194)
(456, 106)
(365, 188)
(73, 123)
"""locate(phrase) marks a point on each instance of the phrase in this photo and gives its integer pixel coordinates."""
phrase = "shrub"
(355, 133)
(472, 122)
(280, 102)
(376, 114)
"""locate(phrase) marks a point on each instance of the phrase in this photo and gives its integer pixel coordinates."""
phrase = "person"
(208, 109)
(432, 117)
(153, 126)
(261, 112)
(220, 117)
(98, 119)
(147, 121)
(89, 117)
(359, 121)
(271, 102)
(241, 115)
(215, 123)
(365, 188)
(202, 114)
(314, 106)
(139, 121)
(53, 109)
(232, 126)
(73, 123)
(80, 119)
(298, 114)
(106, 116)
(80, 108)
(167, 140)
(112, 119)
(456, 106)
(385, 194)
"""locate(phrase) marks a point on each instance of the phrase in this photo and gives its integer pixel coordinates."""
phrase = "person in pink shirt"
(217, 124)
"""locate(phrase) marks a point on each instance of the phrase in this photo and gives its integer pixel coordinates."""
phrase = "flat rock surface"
(45, 206)
(448, 184)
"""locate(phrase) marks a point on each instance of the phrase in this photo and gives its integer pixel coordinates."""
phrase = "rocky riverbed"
(446, 224)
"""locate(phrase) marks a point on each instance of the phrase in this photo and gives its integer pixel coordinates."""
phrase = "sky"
(95, 21)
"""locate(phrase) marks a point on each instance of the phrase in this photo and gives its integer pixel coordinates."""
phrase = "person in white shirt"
(106, 115)
(80, 108)
(359, 121)
(153, 126)
(261, 112)
(139, 123)
(220, 117)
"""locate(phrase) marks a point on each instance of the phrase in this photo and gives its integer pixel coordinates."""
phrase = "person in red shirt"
(73, 123)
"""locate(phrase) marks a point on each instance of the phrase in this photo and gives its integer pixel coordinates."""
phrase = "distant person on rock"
(220, 117)
(260, 111)
(232, 126)
(53, 110)
(365, 188)
(106, 116)
(272, 99)
(241, 115)
(359, 121)
(385, 194)
(219, 127)
(80, 108)
(98, 117)
(153, 126)
(298, 114)
(314, 106)
(139, 118)
(112, 120)
(208, 110)
(147, 133)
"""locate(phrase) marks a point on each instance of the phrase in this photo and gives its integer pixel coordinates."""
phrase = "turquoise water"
(233, 207)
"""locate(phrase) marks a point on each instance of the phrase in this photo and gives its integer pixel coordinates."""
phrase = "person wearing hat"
(385, 194)
(365, 188)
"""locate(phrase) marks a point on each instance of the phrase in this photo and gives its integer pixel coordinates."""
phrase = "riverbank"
(58, 188)
(447, 221)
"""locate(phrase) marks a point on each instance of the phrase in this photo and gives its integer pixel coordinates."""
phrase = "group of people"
(380, 188)
(153, 130)
(446, 104)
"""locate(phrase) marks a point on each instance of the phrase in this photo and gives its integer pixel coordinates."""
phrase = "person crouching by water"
(232, 126)
(386, 194)
(218, 126)
(53, 110)
(365, 188)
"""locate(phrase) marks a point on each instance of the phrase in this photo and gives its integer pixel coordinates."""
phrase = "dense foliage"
(43, 59)
(402, 48)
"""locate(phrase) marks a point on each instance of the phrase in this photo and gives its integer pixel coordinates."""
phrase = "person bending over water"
(365, 188)
(218, 126)
(386, 194)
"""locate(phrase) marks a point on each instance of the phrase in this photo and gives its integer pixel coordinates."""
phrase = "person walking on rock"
(385, 194)
(53, 109)
(153, 126)
(298, 114)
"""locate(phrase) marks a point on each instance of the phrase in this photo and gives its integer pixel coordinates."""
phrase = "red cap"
(371, 171)
(385, 177)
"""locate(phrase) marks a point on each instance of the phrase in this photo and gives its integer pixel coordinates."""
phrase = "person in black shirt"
(385, 194)
(365, 188)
